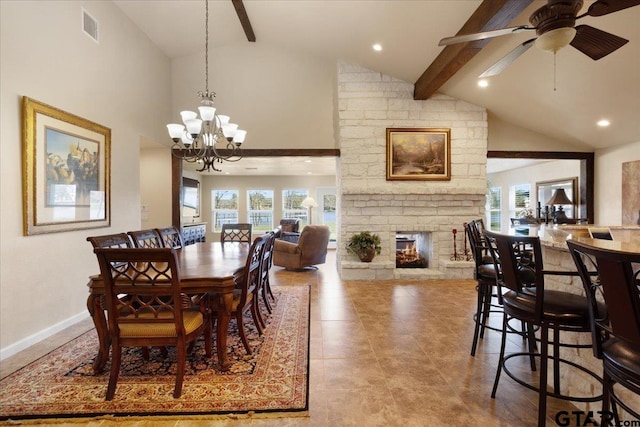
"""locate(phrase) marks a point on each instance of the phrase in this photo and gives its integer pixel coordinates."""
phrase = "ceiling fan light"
(555, 40)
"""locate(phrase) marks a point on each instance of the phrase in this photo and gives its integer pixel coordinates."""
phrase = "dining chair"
(114, 241)
(236, 233)
(155, 311)
(526, 299)
(245, 293)
(264, 287)
(170, 237)
(146, 239)
(615, 333)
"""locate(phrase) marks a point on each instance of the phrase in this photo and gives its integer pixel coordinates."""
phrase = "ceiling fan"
(555, 26)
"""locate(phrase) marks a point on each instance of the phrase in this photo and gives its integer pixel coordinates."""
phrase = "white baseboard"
(41, 335)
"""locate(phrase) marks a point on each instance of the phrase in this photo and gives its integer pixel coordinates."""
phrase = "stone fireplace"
(368, 103)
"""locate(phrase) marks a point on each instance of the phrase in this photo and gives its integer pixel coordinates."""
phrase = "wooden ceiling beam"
(244, 19)
(490, 15)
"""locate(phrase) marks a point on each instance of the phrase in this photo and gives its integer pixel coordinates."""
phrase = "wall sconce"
(559, 198)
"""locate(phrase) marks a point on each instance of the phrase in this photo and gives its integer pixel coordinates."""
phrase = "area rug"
(274, 379)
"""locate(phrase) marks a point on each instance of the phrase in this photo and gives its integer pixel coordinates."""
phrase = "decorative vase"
(366, 255)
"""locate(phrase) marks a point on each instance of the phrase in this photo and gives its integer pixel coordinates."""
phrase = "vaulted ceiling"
(559, 97)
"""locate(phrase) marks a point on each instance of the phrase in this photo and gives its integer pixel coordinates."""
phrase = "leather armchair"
(311, 249)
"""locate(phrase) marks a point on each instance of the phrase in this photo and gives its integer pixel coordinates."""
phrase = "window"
(224, 207)
(519, 200)
(291, 208)
(327, 209)
(495, 200)
(260, 211)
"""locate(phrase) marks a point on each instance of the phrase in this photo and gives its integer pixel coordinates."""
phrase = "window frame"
(252, 212)
(215, 210)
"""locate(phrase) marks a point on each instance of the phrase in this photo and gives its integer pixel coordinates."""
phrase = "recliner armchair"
(311, 249)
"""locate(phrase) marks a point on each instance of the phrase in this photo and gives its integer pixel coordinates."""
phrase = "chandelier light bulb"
(188, 115)
(239, 137)
(207, 114)
(175, 131)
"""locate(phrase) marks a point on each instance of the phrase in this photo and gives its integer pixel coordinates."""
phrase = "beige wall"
(155, 186)
(122, 83)
(608, 181)
(283, 99)
(505, 136)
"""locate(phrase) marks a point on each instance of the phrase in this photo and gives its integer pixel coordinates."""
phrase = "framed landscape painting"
(66, 170)
(418, 154)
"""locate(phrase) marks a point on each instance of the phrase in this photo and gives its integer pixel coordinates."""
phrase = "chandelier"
(209, 139)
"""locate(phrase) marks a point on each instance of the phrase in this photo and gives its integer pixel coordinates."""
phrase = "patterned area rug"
(274, 379)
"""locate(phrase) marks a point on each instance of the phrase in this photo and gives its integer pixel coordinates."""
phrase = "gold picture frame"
(66, 162)
(418, 154)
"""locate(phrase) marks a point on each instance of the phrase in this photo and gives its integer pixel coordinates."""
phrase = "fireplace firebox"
(412, 249)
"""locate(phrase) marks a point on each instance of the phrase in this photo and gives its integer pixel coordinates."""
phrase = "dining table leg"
(224, 304)
(96, 310)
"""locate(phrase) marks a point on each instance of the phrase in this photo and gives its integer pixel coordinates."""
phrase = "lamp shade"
(559, 197)
(309, 203)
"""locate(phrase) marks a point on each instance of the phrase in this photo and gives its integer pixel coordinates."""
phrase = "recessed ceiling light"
(377, 47)
(483, 83)
(309, 173)
(307, 161)
(603, 123)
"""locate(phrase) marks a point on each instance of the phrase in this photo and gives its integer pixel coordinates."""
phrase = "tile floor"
(382, 354)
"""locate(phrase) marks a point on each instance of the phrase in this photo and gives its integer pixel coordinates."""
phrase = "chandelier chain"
(206, 47)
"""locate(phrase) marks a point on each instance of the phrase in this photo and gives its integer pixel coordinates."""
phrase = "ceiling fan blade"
(605, 7)
(596, 43)
(484, 35)
(497, 68)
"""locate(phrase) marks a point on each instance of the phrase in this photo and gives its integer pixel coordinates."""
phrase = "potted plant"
(365, 245)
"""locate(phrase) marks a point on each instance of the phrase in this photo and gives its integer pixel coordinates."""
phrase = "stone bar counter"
(556, 257)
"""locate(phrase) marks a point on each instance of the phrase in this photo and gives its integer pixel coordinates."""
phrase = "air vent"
(89, 25)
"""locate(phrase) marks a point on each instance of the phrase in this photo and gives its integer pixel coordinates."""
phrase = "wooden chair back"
(236, 233)
(251, 277)
(170, 237)
(120, 240)
(146, 239)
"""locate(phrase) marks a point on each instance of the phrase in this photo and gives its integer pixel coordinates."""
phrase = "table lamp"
(559, 198)
(309, 203)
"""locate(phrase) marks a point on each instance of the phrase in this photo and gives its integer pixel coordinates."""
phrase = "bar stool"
(616, 337)
(485, 274)
(548, 309)
(489, 293)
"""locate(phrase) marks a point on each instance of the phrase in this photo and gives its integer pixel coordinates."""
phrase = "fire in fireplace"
(411, 250)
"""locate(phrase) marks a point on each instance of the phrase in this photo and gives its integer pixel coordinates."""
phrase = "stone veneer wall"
(368, 103)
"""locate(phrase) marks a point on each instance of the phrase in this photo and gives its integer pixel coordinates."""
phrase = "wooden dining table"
(210, 267)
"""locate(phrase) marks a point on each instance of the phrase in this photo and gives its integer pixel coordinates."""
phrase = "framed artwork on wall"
(66, 171)
(418, 154)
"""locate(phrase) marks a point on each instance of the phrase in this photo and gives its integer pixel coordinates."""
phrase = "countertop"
(626, 237)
